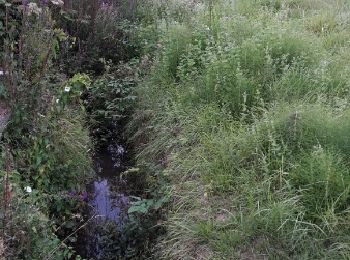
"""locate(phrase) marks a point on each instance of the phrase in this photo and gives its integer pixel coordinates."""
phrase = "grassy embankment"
(247, 113)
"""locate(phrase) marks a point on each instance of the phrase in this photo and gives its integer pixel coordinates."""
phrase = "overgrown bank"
(64, 93)
(239, 112)
(246, 115)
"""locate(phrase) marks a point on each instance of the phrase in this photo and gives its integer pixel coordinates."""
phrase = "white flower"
(57, 2)
(28, 189)
(33, 8)
(66, 89)
(1, 72)
(57, 100)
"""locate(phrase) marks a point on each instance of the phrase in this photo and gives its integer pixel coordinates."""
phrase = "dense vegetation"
(62, 91)
(238, 112)
(247, 113)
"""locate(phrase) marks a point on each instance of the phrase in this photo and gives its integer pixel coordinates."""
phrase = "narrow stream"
(108, 201)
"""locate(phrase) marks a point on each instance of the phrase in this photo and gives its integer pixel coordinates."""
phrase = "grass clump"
(322, 24)
(323, 180)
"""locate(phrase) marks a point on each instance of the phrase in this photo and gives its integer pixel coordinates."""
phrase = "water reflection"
(108, 201)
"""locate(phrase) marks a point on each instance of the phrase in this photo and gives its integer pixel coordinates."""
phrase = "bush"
(59, 158)
(28, 231)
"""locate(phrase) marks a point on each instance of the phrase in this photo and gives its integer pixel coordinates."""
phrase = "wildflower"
(83, 196)
(34, 9)
(1, 72)
(66, 89)
(28, 189)
(57, 100)
(57, 2)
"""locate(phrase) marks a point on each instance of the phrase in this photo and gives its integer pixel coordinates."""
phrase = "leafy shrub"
(109, 100)
(28, 231)
(59, 158)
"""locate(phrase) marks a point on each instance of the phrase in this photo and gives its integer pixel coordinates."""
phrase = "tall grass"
(246, 112)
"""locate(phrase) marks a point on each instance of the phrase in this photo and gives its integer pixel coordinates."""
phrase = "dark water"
(108, 201)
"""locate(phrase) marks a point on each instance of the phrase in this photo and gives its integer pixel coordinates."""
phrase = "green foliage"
(142, 227)
(52, 160)
(323, 180)
(99, 34)
(71, 92)
(110, 97)
(47, 133)
(58, 157)
(144, 206)
(322, 24)
(178, 39)
(244, 118)
(246, 114)
(109, 100)
(28, 231)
